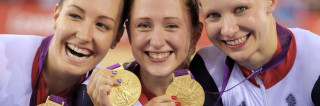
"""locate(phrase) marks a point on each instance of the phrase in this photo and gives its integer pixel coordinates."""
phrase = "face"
(160, 34)
(83, 34)
(240, 28)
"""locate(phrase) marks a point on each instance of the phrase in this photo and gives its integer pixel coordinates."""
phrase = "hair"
(123, 15)
(193, 10)
(192, 7)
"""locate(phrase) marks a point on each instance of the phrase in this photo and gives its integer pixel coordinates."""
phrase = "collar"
(276, 74)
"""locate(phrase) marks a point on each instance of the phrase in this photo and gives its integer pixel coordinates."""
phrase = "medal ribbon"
(285, 37)
(183, 72)
(43, 49)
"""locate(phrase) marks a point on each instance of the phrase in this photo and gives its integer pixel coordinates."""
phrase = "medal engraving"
(188, 91)
(128, 92)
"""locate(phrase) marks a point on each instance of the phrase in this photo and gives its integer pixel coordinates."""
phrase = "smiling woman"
(58, 64)
(253, 59)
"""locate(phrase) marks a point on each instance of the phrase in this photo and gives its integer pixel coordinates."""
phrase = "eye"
(172, 26)
(213, 16)
(144, 26)
(240, 9)
(101, 25)
(75, 16)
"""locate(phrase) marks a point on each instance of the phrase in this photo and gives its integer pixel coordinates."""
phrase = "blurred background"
(34, 17)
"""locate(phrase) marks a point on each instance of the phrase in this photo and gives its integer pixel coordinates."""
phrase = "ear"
(271, 5)
(55, 16)
(128, 30)
(118, 37)
(195, 37)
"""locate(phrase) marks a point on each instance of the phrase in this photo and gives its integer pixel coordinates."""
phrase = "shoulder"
(303, 36)
(205, 66)
(19, 48)
(19, 43)
(212, 58)
(23, 38)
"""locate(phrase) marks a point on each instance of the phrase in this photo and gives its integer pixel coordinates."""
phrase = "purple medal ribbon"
(114, 66)
(43, 49)
(182, 72)
(285, 40)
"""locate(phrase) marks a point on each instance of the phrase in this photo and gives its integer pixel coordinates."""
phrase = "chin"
(77, 71)
(160, 72)
(239, 58)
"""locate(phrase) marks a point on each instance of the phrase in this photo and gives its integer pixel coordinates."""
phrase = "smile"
(158, 55)
(77, 53)
(237, 42)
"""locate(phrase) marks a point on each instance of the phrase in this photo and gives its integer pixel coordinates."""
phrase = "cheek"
(212, 31)
(103, 43)
(139, 39)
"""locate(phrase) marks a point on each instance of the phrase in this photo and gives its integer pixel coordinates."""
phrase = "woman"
(37, 67)
(249, 45)
(163, 34)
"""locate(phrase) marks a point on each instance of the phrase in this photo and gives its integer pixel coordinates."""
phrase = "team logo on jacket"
(291, 100)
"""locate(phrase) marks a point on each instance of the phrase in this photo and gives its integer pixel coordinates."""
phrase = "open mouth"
(237, 42)
(158, 55)
(77, 53)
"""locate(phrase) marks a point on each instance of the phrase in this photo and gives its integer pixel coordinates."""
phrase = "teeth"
(78, 50)
(238, 41)
(159, 55)
(75, 57)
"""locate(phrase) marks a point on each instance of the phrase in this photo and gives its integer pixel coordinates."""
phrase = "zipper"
(262, 87)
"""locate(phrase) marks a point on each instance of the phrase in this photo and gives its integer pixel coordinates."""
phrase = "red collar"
(42, 93)
(276, 74)
(146, 95)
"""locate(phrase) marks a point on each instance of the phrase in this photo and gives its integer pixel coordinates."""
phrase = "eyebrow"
(100, 17)
(166, 18)
(79, 8)
(106, 17)
(171, 18)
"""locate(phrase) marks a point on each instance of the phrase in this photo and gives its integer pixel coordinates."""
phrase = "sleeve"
(201, 74)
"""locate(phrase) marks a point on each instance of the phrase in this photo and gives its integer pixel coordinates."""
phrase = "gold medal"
(128, 92)
(188, 91)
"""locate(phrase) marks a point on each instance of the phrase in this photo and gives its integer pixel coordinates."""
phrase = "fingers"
(103, 99)
(164, 100)
(100, 84)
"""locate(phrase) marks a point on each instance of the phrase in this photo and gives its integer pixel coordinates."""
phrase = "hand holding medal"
(114, 86)
(188, 91)
(128, 92)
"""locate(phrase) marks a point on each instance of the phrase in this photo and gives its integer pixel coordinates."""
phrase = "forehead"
(223, 4)
(109, 8)
(160, 8)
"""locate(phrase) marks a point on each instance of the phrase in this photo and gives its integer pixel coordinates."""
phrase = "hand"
(100, 85)
(164, 100)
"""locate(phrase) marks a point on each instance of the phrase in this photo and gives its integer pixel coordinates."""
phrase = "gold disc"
(188, 91)
(128, 92)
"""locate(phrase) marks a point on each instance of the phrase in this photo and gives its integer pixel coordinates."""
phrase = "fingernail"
(178, 104)
(114, 72)
(119, 80)
(174, 97)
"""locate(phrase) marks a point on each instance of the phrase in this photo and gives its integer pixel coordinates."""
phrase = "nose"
(229, 26)
(157, 38)
(85, 33)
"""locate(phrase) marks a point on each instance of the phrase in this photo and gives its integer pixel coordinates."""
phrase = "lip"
(238, 45)
(72, 59)
(155, 60)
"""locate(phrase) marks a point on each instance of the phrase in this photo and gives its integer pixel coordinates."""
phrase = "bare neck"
(156, 85)
(56, 80)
